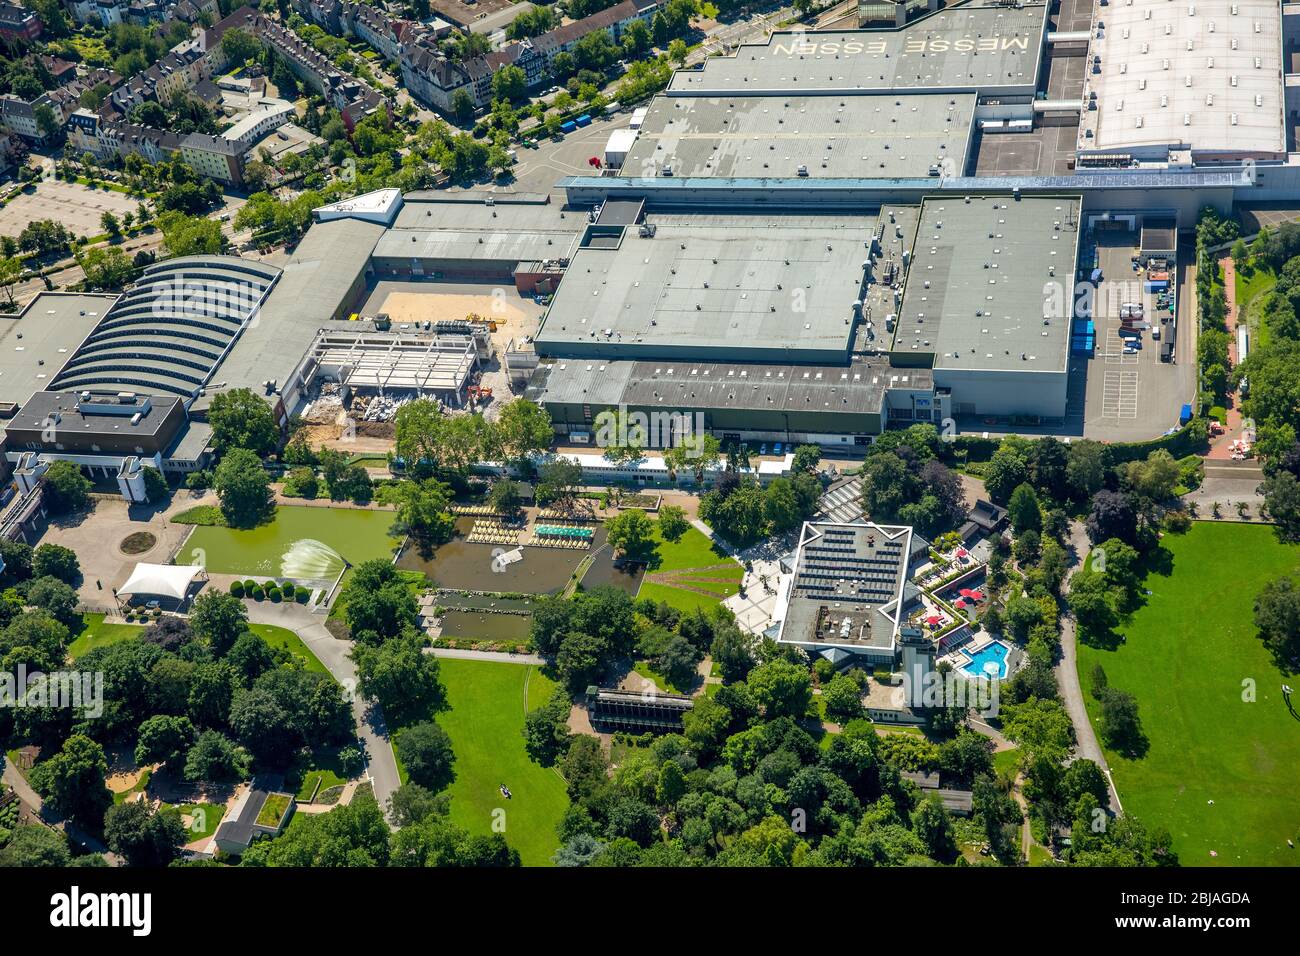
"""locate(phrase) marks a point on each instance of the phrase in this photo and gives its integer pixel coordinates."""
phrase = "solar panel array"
(841, 566)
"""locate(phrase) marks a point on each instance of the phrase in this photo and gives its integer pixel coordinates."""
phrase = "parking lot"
(76, 206)
(538, 170)
(1133, 395)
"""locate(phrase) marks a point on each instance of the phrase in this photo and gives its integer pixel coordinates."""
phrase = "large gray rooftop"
(35, 344)
(477, 211)
(500, 245)
(976, 46)
(323, 274)
(857, 388)
(986, 276)
(853, 135)
(709, 287)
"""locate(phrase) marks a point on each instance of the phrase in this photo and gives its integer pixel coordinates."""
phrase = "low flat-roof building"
(110, 436)
(894, 134)
(849, 589)
(774, 288)
(988, 301)
(988, 48)
(476, 236)
(611, 709)
(823, 404)
(35, 344)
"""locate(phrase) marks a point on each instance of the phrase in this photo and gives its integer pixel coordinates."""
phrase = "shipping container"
(584, 119)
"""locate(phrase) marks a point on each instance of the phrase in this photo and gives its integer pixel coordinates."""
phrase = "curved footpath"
(1067, 675)
(381, 764)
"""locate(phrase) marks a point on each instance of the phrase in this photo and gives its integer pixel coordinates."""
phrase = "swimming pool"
(989, 661)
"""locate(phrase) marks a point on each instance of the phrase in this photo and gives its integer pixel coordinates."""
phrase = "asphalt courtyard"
(539, 170)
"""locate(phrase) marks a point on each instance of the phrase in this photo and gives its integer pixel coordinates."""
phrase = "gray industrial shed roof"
(501, 245)
(970, 47)
(709, 286)
(486, 212)
(857, 388)
(35, 344)
(169, 332)
(853, 135)
(979, 288)
(317, 280)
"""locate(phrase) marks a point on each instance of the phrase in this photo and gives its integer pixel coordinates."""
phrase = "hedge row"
(288, 591)
(1188, 440)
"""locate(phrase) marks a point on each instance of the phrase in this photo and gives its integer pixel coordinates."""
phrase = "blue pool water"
(989, 660)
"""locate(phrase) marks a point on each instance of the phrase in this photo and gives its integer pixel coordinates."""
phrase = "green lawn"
(211, 817)
(661, 682)
(273, 810)
(141, 784)
(357, 535)
(323, 766)
(485, 722)
(1249, 290)
(695, 572)
(1188, 652)
(95, 633)
(291, 642)
(1006, 763)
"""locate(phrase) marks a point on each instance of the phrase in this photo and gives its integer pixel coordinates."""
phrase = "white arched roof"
(169, 580)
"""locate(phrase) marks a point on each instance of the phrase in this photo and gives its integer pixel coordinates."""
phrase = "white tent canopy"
(168, 580)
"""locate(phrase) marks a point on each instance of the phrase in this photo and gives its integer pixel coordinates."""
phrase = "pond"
(478, 625)
(461, 566)
(603, 571)
(307, 545)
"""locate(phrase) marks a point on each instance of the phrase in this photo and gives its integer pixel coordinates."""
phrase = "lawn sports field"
(356, 534)
(1185, 657)
(485, 722)
(690, 572)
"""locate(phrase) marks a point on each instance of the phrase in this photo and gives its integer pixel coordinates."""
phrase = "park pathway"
(381, 763)
(1067, 675)
(79, 838)
(501, 657)
(1220, 447)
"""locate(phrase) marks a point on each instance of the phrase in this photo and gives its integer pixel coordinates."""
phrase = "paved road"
(381, 765)
(79, 839)
(1067, 676)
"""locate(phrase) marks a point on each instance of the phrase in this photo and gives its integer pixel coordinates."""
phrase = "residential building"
(19, 23)
(434, 80)
(107, 140)
(215, 157)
